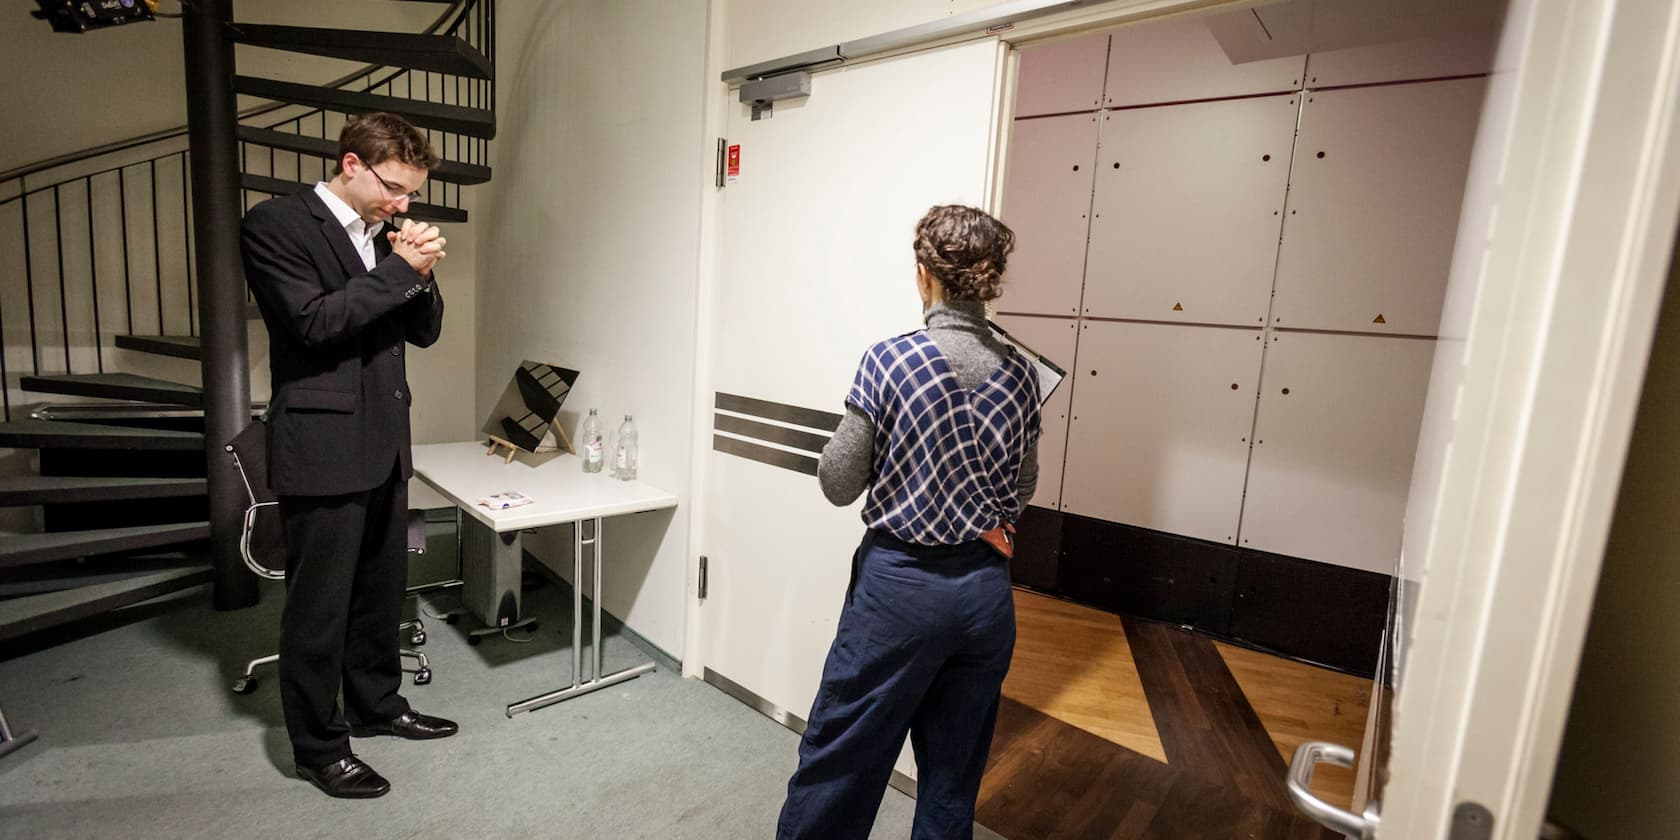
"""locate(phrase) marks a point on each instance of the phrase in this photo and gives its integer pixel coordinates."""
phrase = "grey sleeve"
(847, 459)
(1029, 474)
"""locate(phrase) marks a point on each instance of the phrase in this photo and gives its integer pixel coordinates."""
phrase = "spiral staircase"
(104, 299)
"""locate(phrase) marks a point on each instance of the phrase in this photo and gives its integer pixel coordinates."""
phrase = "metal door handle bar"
(1307, 757)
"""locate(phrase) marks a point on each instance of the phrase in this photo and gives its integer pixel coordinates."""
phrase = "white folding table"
(562, 493)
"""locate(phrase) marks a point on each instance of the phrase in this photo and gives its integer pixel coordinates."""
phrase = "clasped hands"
(419, 244)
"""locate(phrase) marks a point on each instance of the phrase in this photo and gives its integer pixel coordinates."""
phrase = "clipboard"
(1049, 373)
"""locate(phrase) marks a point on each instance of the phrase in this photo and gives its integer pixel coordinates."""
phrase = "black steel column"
(225, 357)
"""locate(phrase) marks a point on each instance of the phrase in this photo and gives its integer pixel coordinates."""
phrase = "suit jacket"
(338, 417)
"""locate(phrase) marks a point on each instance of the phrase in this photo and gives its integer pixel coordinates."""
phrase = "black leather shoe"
(411, 725)
(348, 778)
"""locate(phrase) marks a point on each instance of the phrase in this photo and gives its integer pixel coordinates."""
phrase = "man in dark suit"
(341, 290)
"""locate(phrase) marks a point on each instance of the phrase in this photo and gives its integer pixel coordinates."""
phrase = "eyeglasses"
(391, 189)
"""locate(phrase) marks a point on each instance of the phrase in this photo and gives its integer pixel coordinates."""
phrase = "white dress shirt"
(361, 233)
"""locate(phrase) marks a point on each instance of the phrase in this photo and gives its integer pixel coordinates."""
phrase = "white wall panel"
(1179, 60)
(1055, 339)
(1187, 211)
(1161, 416)
(1062, 76)
(1047, 196)
(1371, 224)
(1459, 54)
(1334, 443)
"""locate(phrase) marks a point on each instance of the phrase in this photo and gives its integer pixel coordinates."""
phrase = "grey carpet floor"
(140, 737)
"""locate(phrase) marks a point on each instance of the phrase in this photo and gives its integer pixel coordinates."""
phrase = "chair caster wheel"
(418, 639)
(423, 676)
(474, 640)
(245, 685)
(451, 618)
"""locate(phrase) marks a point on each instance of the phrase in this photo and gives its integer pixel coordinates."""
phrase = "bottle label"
(592, 451)
(623, 457)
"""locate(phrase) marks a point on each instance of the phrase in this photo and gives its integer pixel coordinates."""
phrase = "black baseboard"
(1315, 612)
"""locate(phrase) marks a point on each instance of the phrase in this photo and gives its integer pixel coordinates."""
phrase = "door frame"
(1555, 350)
(719, 100)
(1585, 191)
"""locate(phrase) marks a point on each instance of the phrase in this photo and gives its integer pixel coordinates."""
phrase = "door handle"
(1307, 757)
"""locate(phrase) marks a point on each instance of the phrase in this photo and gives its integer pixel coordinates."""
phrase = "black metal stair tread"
(28, 549)
(473, 122)
(435, 53)
(40, 490)
(451, 171)
(88, 571)
(178, 346)
(416, 210)
(21, 616)
(65, 434)
(118, 386)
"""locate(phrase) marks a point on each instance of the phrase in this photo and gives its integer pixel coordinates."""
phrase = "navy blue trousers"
(923, 645)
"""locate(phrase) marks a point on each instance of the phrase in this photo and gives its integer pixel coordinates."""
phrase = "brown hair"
(379, 137)
(965, 249)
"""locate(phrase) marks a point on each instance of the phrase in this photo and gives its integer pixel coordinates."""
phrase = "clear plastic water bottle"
(624, 452)
(594, 450)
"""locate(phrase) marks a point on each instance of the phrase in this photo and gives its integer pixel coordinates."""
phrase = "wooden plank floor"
(1299, 703)
(1130, 729)
(1074, 664)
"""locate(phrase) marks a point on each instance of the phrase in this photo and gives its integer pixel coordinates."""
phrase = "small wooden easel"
(496, 443)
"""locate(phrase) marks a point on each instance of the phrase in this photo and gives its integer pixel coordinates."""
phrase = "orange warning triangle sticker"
(1379, 319)
(1178, 307)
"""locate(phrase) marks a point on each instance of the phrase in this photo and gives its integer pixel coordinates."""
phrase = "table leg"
(596, 681)
(595, 634)
(577, 603)
(10, 741)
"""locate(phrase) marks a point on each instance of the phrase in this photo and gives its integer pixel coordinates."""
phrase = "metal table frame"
(561, 493)
(596, 681)
(10, 743)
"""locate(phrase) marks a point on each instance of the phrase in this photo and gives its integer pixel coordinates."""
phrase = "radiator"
(490, 572)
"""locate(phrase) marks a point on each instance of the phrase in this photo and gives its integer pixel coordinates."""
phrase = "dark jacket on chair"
(339, 411)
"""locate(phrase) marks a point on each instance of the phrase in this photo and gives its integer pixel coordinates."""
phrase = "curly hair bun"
(965, 249)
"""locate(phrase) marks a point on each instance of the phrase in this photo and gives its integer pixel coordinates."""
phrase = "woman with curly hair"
(941, 429)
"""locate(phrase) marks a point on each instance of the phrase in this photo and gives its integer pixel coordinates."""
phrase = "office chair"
(260, 543)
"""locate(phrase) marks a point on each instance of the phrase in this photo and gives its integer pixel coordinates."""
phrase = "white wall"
(589, 251)
(1618, 769)
(441, 377)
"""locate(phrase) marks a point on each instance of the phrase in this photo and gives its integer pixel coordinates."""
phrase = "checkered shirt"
(947, 460)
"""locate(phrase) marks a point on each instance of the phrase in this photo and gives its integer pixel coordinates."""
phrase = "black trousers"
(346, 568)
